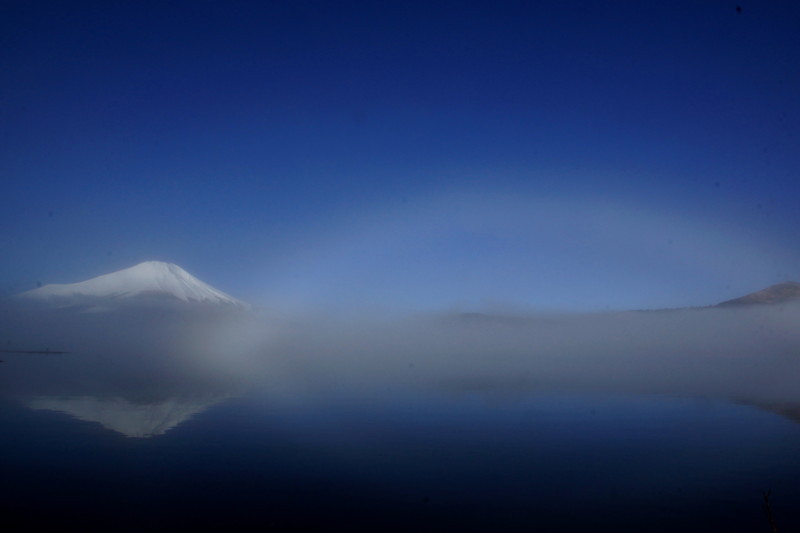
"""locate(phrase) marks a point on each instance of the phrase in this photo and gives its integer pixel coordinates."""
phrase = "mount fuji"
(148, 279)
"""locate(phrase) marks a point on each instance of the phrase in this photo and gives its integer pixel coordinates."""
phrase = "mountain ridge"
(162, 280)
(774, 294)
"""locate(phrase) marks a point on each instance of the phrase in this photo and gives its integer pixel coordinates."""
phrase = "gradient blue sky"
(549, 155)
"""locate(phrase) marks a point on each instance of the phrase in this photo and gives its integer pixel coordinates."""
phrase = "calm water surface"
(162, 420)
(405, 460)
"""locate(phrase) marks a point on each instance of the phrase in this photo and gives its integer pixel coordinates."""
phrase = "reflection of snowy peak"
(130, 419)
(148, 278)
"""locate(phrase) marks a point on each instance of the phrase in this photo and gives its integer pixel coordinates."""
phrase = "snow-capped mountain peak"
(148, 278)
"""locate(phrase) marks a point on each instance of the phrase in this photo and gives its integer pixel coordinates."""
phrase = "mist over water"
(742, 354)
(444, 421)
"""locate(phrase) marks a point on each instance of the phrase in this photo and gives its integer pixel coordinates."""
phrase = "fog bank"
(749, 354)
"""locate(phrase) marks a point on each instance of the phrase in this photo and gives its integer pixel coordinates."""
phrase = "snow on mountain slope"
(148, 278)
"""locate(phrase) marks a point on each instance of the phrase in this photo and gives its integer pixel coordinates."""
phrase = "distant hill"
(781, 293)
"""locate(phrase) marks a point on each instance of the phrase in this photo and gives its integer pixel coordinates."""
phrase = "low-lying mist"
(749, 354)
(744, 354)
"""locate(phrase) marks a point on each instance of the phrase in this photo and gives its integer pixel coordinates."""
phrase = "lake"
(411, 462)
(557, 424)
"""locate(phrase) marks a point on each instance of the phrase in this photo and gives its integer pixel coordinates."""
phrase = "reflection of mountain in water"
(127, 417)
(787, 410)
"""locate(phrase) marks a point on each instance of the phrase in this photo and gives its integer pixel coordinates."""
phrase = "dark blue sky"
(567, 155)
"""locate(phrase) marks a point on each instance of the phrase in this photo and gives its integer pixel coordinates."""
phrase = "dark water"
(409, 461)
(193, 422)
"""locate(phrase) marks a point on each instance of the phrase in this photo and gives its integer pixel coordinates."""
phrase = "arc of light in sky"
(471, 249)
